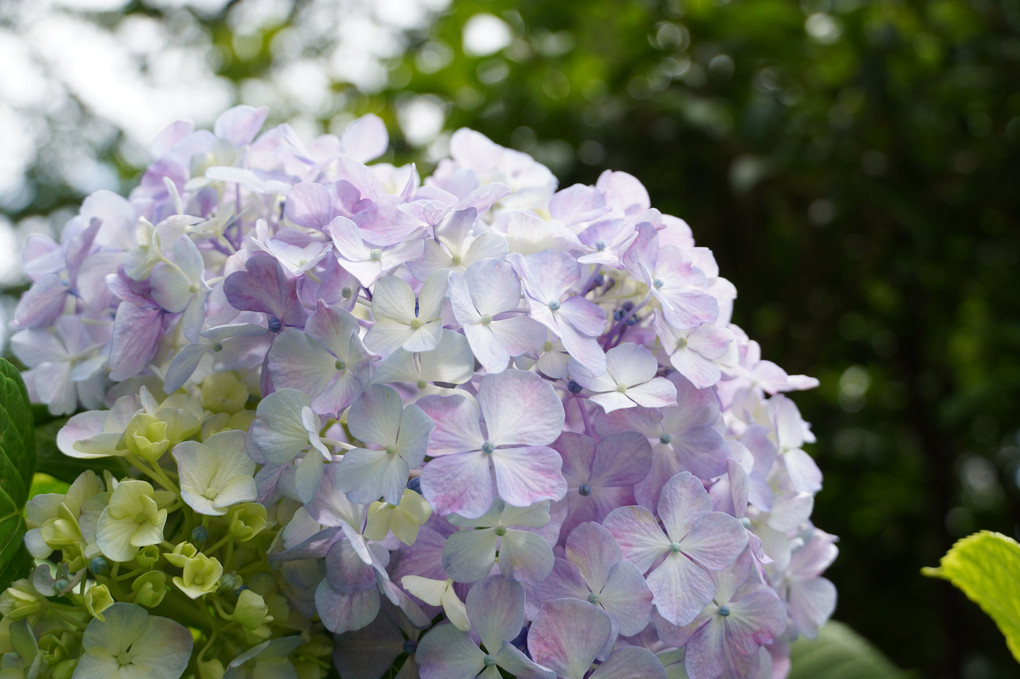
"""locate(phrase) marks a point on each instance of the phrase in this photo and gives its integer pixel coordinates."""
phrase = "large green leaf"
(986, 566)
(840, 653)
(17, 465)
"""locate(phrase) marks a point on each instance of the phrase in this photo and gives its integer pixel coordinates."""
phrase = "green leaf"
(17, 466)
(986, 566)
(840, 653)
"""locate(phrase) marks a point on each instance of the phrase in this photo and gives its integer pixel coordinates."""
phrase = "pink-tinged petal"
(683, 499)
(33, 347)
(587, 318)
(460, 301)
(493, 286)
(715, 540)
(265, 287)
(309, 205)
(365, 475)
(297, 361)
(626, 598)
(563, 582)
(585, 350)
(365, 139)
(525, 556)
(577, 452)
(804, 473)
(593, 549)
(457, 426)
(334, 328)
(702, 451)
(811, 601)
(602, 382)
(136, 334)
(702, 372)
(680, 588)
(519, 665)
(240, 124)
(567, 636)
(525, 476)
(611, 401)
(706, 655)
(689, 309)
(117, 215)
(656, 393)
(638, 534)
(495, 608)
(469, 555)
(631, 662)
(42, 303)
(343, 390)
(621, 459)
(375, 417)
(448, 653)
(344, 611)
(624, 191)
(487, 348)
(520, 407)
(519, 334)
(413, 437)
(631, 364)
(757, 615)
(460, 483)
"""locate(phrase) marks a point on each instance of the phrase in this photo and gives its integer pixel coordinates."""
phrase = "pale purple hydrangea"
(608, 468)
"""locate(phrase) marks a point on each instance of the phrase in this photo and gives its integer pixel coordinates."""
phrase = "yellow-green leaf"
(17, 465)
(986, 566)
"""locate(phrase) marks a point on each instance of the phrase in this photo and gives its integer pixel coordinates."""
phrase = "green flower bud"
(247, 520)
(97, 600)
(224, 392)
(251, 610)
(201, 576)
(99, 566)
(149, 588)
(210, 669)
(147, 556)
(20, 600)
(145, 436)
(182, 553)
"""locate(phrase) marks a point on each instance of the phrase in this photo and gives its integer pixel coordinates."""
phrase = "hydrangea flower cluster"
(463, 426)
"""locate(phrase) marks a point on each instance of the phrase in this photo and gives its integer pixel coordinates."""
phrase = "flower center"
(593, 598)
(674, 548)
(724, 611)
(486, 319)
(665, 439)
(375, 255)
(584, 489)
(658, 283)
(340, 364)
(554, 305)
(500, 531)
(415, 323)
(489, 660)
(410, 645)
(487, 448)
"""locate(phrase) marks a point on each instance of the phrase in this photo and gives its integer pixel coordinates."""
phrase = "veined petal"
(524, 555)
(567, 635)
(715, 540)
(448, 653)
(457, 424)
(626, 598)
(525, 476)
(392, 299)
(496, 609)
(460, 484)
(469, 555)
(521, 408)
(593, 549)
(680, 588)
(682, 500)
(375, 417)
(638, 535)
(365, 475)
(630, 662)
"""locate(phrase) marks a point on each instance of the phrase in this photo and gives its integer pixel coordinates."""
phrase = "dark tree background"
(854, 167)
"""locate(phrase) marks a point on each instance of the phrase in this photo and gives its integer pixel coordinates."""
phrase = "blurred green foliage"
(853, 165)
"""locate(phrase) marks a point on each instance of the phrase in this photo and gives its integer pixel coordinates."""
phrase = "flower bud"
(145, 436)
(224, 392)
(183, 552)
(99, 566)
(20, 600)
(201, 576)
(247, 520)
(97, 600)
(147, 556)
(149, 588)
(251, 610)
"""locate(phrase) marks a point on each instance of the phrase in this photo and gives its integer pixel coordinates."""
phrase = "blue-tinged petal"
(495, 607)
(638, 534)
(447, 653)
(626, 598)
(683, 499)
(715, 540)
(593, 549)
(342, 612)
(631, 662)
(457, 424)
(375, 417)
(277, 434)
(459, 484)
(365, 475)
(525, 476)
(525, 556)
(468, 555)
(511, 659)
(567, 636)
(520, 408)
(296, 361)
(680, 588)
(307, 477)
